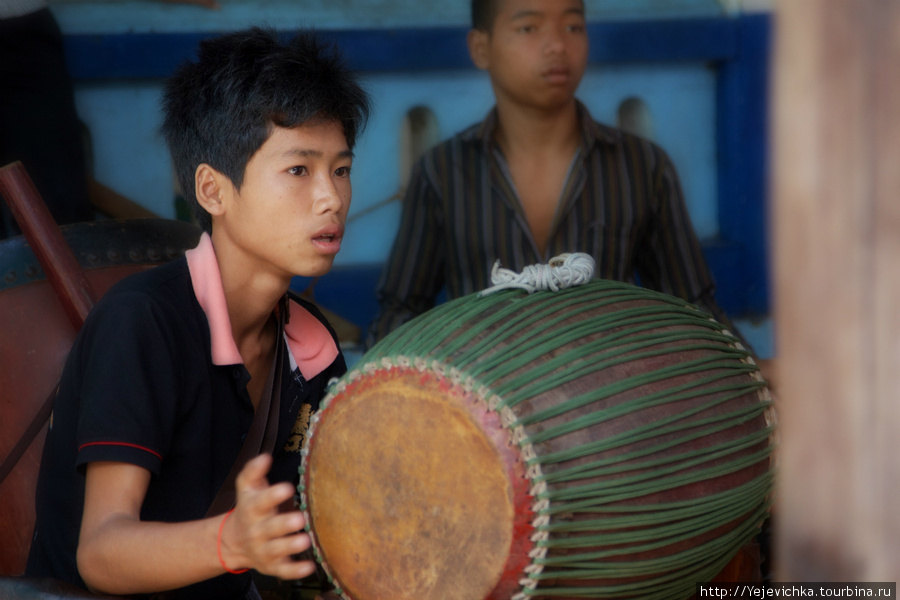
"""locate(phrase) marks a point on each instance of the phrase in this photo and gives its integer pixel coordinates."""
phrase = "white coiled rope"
(563, 271)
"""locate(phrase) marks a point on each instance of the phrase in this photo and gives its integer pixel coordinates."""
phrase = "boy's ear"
(210, 185)
(477, 41)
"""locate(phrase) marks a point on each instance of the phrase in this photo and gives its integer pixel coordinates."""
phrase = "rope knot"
(563, 271)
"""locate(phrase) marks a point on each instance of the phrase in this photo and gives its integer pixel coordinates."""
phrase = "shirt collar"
(592, 132)
(310, 344)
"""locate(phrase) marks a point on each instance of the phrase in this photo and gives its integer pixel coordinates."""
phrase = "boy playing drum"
(204, 368)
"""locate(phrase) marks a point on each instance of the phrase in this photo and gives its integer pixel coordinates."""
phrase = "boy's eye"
(342, 172)
(527, 28)
(297, 170)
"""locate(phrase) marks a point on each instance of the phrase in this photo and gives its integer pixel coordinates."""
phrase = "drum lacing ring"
(326, 401)
(301, 488)
(331, 383)
(528, 452)
(466, 382)
(563, 271)
(736, 343)
(534, 471)
(370, 368)
(453, 375)
(539, 552)
(510, 421)
(541, 507)
(321, 560)
(771, 417)
(755, 375)
(770, 414)
(529, 583)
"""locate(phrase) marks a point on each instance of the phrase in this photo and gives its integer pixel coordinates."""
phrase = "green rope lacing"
(610, 342)
(459, 315)
(664, 466)
(644, 488)
(574, 568)
(676, 566)
(652, 430)
(654, 399)
(519, 346)
(623, 517)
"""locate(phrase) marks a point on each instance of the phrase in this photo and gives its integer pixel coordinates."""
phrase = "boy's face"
(288, 217)
(536, 52)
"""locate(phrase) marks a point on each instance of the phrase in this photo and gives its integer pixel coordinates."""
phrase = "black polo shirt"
(139, 386)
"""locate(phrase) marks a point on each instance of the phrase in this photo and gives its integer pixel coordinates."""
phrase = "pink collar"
(310, 344)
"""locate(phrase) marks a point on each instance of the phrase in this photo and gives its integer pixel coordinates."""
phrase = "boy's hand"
(257, 535)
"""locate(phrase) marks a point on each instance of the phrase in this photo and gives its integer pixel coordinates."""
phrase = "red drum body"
(604, 441)
(35, 337)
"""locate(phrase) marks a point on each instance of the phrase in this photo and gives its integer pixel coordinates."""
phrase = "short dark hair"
(220, 109)
(483, 14)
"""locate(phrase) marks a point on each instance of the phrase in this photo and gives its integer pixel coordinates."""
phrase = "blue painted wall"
(143, 16)
(130, 157)
(700, 69)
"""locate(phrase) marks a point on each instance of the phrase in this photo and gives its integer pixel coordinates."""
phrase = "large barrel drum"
(603, 441)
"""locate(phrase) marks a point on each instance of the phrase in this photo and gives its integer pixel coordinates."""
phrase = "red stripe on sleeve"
(156, 454)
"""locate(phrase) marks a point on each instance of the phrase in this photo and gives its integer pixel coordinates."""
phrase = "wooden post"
(47, 242)
(836, 224)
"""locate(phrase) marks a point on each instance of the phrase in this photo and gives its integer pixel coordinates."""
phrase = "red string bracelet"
(219, 546)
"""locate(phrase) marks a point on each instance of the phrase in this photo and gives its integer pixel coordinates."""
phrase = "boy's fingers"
(289, 523)
(263, 502)
(275, 557)
(282, 525)
(293, 570)
(283, 548)
(253, 475)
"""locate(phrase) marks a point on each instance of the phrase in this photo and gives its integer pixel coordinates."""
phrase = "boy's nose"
(554, 44)
(328, 196)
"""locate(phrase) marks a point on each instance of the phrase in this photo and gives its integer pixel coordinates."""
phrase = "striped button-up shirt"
(621, 202)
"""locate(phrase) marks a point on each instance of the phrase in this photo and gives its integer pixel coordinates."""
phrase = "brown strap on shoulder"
(264, 427)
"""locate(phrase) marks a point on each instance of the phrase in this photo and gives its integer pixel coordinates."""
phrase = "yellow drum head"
(408, 496)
